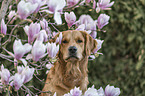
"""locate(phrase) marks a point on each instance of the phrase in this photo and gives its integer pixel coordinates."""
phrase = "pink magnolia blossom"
(38, 50)
(84, 19)
(98, 45)
(18, 81)
(102, 20)
(59, 39)
(55, 7)
(39, 2)
(20, 50)
(111, 91)
(3, 27)
(12, 14)
(70, 18)
(91, 92)
(52, 49)
(28, 73)
(42, 36)
(44, 24)
(5, 75)
(86, 23)
(71, 3)
(103, 5)
(32, 31)
(25, 9)
(74, 92)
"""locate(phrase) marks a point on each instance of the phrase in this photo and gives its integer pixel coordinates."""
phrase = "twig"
(10, 35)
(4, 8)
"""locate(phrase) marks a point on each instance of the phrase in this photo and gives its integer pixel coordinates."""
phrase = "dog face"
(72, 46)
(76, 45)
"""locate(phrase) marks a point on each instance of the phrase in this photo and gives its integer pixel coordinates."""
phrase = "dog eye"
(64, 41)
(79, 41)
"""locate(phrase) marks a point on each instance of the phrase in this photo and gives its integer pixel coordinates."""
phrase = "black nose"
(72, 49)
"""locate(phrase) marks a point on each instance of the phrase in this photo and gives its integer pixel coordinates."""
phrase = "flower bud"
(3, 27)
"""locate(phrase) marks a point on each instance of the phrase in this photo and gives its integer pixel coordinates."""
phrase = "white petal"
(57, 18)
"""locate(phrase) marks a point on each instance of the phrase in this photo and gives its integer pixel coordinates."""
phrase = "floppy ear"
(90, 44)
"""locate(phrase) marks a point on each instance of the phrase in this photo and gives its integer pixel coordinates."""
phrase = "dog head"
(75, 45)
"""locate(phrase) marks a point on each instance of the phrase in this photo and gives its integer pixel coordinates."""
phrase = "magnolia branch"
(4, 8)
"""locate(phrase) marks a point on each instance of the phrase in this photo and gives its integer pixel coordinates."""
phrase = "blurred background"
(123, 61)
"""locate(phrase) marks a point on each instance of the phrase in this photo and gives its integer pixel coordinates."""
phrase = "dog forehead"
(72, 34)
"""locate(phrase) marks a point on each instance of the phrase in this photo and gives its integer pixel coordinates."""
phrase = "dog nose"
(72, 49)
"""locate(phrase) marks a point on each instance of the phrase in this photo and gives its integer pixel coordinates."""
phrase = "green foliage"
(123, 61)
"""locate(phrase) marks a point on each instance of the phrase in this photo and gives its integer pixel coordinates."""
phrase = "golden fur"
(70, 72)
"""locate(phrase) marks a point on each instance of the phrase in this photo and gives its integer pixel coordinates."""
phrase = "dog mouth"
(72, 57)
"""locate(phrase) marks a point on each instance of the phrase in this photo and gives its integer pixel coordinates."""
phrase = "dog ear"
(90, 44)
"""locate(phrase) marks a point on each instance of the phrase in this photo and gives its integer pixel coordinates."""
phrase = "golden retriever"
(70, 69)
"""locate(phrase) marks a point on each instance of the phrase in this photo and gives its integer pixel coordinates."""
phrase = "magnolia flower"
(55, 7)
(59, 39)
(91, 92)
(38, 50)
(52, 49)
(11, 15)
(18, 81)
(74, 92)
(25, 9)
(102, 20)
(20, 69)
(42, 36)
(20, 50)
(111, 91)
(101, 92)
(44, 24)
(39, 2)
(93, 34)
(32, 31)
(3, 27)
(81, 27)
(71, 3)
(48, 66)
(88, 1)
(70, 18)
(104, 5)
(28, 73)
(86, 23)
(98, 45)
(85, 19)
(5, 75)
